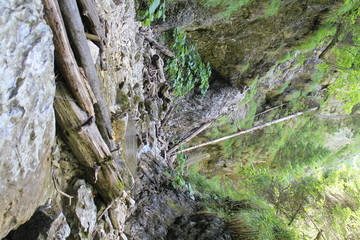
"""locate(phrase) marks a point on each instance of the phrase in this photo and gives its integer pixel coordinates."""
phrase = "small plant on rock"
(186, 69)
(155, 10)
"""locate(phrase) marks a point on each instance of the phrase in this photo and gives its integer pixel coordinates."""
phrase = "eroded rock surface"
(190, 113)
(248, 44)
(27, 123)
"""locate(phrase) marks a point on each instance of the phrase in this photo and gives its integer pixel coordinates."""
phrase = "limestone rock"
(85, 208)
(27, 123)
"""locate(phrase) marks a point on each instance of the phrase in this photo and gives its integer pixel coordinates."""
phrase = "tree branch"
(246, 131)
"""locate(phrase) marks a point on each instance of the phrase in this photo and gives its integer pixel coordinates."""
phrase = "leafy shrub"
(254, 224)
(155, 10)
(186, 69)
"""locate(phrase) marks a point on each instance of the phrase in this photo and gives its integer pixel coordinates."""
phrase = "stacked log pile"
(81, 111)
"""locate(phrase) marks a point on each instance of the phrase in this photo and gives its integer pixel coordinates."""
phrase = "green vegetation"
(232, 6)
(339, 36)
(292, 182)
(251, 218)
(186, 70)
(273, 7)
(155, 10)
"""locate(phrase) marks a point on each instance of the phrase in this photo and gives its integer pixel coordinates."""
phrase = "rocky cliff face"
(27, 122)
(248, 44)
(239, 49)
(244, 51)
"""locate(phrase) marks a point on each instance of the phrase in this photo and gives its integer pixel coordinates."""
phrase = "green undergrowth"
(186, 70)
(339, 39)
(298, 183)
(311, 198)
(153, 9)
(250, 211)
(230, 7)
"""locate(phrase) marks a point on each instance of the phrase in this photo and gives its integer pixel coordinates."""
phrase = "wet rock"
(27, 123)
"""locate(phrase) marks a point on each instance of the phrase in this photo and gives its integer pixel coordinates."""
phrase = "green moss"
(123, 100)
(171, 204)
(120, 185)
(272, 8)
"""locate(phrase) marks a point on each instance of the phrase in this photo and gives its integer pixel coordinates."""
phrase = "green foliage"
(257, 222)
(311, 198)
(260, 224)
(344, 56)
(273, 8)
(347, 52)
(347, 86)
(186, 69)
(230, 7)
(155, 10)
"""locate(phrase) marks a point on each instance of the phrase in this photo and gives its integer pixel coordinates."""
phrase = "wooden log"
(162, 49)
(76, 31)
(65, 58)
(88, 8)
(86, 143)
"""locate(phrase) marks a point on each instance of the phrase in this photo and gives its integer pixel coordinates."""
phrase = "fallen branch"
(89, 11)
(270, 109)
(191, 136)
(76, 31)
(337, 116)
(162, 49)
(339, 30)
(105, 210)
(57, 188)
(246, 131)
(65, 58)
(93, 37)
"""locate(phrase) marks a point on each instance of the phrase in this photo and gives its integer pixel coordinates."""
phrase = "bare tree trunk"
(65, 58)
(76, 31)
(246, 131)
